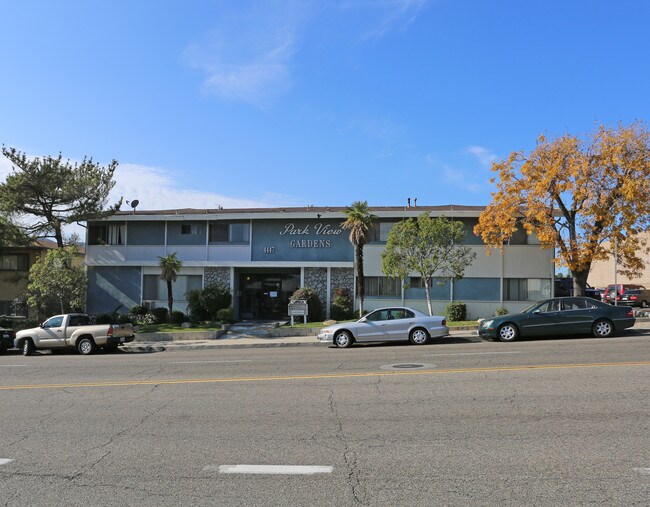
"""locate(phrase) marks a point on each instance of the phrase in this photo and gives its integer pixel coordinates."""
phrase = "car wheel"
(85, 346)
(602, 328)
(419, 336)
(508, 333)
(342, 339)
(28, 347)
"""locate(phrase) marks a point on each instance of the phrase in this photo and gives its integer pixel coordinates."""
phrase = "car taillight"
(444, 322)
(630, 313)
(110, 331)
(633, 298)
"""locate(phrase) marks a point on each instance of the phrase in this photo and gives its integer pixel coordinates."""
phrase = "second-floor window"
(106, 234)
(14, 262)
(379, 232)
(189, 229)
(229, 233)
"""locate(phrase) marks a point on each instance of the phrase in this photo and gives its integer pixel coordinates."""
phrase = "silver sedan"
(387, 324)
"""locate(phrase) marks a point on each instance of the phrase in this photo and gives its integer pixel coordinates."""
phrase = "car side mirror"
(537, 312)
(362, 319)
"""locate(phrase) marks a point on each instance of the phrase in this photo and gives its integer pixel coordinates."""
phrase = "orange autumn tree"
(580, 196)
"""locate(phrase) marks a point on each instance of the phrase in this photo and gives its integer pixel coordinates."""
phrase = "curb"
(268, 342)
(174, 346)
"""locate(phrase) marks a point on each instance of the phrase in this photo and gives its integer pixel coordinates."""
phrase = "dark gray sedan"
(559, 316)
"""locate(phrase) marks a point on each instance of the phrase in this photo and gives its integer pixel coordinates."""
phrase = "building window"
(189, 229)
(155, 289)
(150, 287)
(526, 289)
(382, 286)
(14, 262)
(13, 308)
(379, 232)
(106, 234)
(229, 233)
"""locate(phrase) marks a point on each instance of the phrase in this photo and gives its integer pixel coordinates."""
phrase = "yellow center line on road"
(129, 383)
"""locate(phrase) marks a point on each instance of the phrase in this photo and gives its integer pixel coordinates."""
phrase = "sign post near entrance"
(298, 307)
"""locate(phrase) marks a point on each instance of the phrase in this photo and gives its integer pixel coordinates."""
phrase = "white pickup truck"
(73, 330)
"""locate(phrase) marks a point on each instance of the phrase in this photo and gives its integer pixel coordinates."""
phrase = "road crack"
(349, 457)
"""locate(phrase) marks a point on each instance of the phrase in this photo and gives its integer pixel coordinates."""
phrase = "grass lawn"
(176, 328)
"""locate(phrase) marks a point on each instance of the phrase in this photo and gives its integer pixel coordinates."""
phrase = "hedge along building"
(264, 255)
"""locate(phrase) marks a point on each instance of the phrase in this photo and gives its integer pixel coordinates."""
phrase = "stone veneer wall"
(217, 275)
(342, 278)
(316, 278)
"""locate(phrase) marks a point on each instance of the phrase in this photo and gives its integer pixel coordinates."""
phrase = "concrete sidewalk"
(248, 341)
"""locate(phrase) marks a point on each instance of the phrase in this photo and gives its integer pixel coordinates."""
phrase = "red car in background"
(615, 291)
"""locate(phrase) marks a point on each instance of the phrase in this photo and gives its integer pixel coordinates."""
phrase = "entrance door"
(271, 298)
(264, 293)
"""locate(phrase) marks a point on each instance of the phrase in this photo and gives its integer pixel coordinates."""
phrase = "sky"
(312, 102)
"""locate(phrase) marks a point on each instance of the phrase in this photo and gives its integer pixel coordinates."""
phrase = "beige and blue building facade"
(265, 254)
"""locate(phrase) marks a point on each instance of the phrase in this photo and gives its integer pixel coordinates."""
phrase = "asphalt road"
(536, 422)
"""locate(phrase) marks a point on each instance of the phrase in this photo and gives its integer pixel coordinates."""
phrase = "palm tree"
(170, 265)
(359, 221)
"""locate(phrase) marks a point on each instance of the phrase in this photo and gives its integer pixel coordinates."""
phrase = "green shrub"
(103, 318)
(145, 320)
(501, 311)
(205, 303)
(122, 318)
(111, 318)
(178, 317)
(25, 324)
(161, 315)
(214, 298)
(139, 310)
(195, 306)
(456, 311)
(226, 315)
(341, 305)
(314, 306)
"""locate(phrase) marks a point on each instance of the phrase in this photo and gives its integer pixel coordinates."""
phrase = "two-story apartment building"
(264, 255)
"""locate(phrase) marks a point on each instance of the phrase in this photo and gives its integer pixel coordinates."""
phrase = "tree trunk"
(426, 291)
(58, 235)
(170, 299)
(361, 288)
(579, 281)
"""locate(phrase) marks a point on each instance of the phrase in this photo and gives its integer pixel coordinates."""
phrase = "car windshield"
(531, 307)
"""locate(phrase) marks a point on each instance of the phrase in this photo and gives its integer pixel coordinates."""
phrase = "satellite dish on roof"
(134, 203)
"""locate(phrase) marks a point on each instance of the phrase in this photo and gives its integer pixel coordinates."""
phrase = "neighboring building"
(14, 275)
(264, 255)
(602, 272)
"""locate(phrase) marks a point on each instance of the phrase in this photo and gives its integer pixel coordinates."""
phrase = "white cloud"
(247, 56)
(158, 189)
(390, 14)
(458, 178)
(5, 168)
(484, 155)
